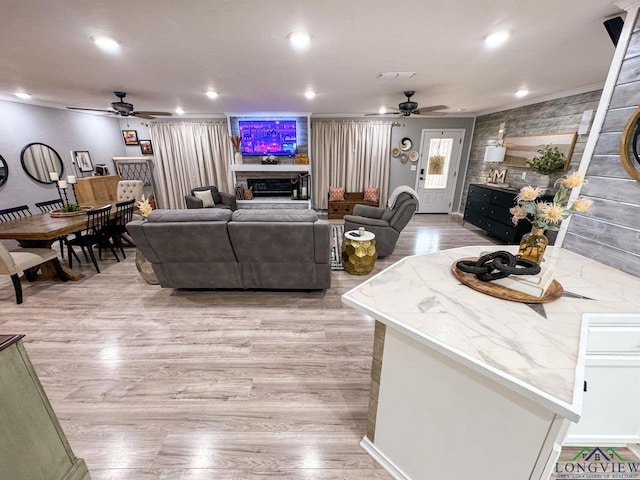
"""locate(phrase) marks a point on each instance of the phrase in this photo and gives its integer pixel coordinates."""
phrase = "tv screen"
(268, 137)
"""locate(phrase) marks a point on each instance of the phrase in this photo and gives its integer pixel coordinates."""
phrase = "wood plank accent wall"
(610, 233)
(554, 116)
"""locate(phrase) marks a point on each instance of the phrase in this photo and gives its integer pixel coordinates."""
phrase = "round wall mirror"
(39, 160)
(4, 171)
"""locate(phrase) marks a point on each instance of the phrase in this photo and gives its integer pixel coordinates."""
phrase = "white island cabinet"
(465, 385)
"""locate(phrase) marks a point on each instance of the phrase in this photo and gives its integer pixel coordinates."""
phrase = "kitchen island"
(469, 385)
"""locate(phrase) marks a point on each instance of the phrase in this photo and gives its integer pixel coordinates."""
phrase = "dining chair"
(95, 233)
(117, 227)
(50, 206)
(12, 262)
(14, 213)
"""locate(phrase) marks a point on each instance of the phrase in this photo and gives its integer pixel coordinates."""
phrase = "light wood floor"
(152, 383)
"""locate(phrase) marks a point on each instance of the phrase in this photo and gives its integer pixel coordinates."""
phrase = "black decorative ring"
(495, 265)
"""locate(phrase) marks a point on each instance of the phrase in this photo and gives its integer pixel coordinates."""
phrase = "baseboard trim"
(382, 460)
(77, 471)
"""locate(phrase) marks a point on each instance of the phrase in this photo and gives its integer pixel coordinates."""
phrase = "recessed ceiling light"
(461, 110)
(496, 39)
(211, 94)
(310, 94)
(23, 95)
(382, 110)
(523, 92)
(180, 110)
(107, 44)
(299, 40)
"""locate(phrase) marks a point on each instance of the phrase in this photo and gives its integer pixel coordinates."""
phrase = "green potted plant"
(548, 161)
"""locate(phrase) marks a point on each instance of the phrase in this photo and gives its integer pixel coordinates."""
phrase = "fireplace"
(270, 187)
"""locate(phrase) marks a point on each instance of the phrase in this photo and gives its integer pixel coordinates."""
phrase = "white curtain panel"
(349, 154)
(190, 154)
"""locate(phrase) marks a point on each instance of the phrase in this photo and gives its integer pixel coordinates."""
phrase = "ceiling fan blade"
(428, 114)
(155, 114)
(431, 108)
(91, 109)
(141, 115)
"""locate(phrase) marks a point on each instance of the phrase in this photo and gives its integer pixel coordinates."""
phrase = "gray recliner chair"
(385, 223)
(221, 199)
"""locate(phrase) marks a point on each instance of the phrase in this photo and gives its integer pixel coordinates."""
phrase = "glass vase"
(533, 245)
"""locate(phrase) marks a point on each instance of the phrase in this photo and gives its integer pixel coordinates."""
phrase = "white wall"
(64, 131)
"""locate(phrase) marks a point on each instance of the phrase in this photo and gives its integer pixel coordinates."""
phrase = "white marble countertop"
(542, 358)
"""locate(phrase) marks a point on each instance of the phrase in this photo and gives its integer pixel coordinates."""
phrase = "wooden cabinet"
(97, 190)
(336, 210)
(610, 414)
(488, 208)
(32, 443)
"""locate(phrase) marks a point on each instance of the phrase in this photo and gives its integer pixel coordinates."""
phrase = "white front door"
(440, 152)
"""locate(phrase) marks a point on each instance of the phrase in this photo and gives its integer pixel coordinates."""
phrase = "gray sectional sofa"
(245, 249)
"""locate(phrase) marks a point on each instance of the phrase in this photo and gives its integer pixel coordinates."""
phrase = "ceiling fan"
(409, 108)
(124, 109)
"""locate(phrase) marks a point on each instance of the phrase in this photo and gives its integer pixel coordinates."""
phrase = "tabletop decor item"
(546, 215)
(236, 141)
(498, 274)
(144, 206)
(549, 160)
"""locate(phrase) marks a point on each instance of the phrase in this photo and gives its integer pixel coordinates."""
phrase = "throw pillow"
(206, 197)
(371, 194)
(336, 194)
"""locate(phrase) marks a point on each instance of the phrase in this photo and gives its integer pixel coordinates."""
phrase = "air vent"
(390, 75)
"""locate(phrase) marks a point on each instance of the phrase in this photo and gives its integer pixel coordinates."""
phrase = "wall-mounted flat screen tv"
(268, 137)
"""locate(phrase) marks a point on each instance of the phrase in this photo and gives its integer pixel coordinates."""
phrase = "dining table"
(41, 230)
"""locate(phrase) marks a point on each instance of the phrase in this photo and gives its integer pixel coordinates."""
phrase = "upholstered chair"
(12, 262)
(385, 223)
(130, 189)
(199, 198)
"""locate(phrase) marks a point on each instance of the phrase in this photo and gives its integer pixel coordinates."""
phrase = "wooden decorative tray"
(58, 213)
(554, 291)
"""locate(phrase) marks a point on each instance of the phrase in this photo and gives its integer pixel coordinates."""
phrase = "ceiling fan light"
(107, 44)
(212, 94)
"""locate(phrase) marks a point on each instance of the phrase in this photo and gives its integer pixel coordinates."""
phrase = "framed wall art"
(521, 149)
(83, 161)
(130, 137)
(145, 147)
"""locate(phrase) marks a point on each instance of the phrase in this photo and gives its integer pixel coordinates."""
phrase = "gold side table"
(359, 252)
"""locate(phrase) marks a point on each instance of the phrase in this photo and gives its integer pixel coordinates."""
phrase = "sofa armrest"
(368, 211)
(365, 221)
(229, 199)
(193, 202)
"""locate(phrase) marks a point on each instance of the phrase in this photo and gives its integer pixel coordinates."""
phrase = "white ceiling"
(173, 51)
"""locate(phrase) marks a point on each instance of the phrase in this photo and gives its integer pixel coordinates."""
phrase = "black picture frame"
(130, 137)
(146, 147)
(83, 161)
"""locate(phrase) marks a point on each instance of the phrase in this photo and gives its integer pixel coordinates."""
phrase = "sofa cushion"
(206, 197)
(274, 215)
(192, 215)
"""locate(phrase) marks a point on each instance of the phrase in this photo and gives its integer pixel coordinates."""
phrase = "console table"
(32, 443)
(460, 378)
(488, 207)
(338, 209)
